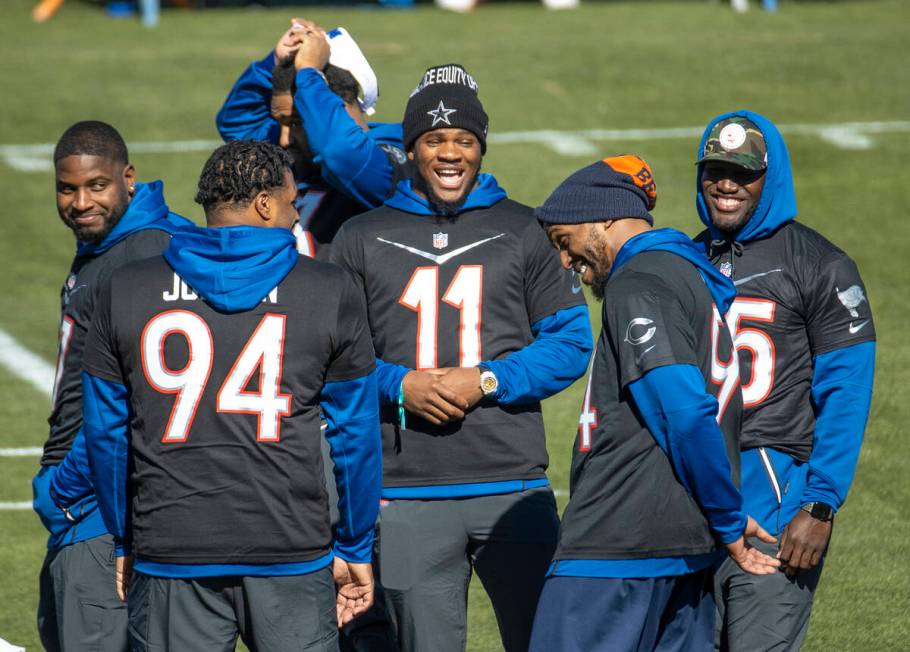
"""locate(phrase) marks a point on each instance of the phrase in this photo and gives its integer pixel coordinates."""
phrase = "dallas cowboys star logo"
(441, 114)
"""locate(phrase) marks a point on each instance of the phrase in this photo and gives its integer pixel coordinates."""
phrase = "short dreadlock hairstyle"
(340, 81)
(92, 138)
(239, 170)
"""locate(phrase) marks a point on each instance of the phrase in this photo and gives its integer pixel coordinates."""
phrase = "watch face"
(822, 512)
(488, 382)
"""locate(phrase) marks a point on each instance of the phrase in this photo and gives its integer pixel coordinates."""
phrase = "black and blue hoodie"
(807, 346)
(235, 270)
(143, 230)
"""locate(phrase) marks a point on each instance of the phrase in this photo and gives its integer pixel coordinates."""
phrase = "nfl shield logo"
(726, 268)
(440, 240)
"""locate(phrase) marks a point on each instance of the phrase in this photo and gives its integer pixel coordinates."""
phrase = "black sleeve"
(548, 287)
(648, 325)
(348, 255)
(353, 355)
(99, 357)
(837, 309)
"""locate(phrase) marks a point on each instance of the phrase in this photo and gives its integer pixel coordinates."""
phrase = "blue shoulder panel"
(556, 358)
(681, 417)
(105, 418)
(351, 410)
(842, 392)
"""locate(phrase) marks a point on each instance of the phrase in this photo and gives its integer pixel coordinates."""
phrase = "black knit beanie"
(446, 97)
(611, 189)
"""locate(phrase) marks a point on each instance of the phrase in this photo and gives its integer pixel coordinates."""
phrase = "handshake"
(441, 395)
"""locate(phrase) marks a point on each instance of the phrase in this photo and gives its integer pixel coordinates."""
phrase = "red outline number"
(263, 351)
(465, 293)
(758, 343)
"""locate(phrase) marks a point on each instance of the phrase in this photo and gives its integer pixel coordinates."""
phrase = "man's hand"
(354, 583)
(314, 49)
(751, 559)
(428, 398)
(465, 381)
(289, 42)
(803, 543)
(123, 575)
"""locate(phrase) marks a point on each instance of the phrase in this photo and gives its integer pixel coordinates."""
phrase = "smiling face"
(586, 249)
(93, 193)
(447, 161)
(731, 193)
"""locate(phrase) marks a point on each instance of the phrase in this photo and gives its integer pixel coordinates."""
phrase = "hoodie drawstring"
(718, 247)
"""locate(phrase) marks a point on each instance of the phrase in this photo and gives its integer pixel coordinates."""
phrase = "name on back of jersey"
(180, 291)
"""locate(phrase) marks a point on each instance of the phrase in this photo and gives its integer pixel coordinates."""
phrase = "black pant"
(78, 607)
(271, 614)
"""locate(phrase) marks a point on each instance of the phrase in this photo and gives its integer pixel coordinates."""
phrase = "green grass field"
(610, 65)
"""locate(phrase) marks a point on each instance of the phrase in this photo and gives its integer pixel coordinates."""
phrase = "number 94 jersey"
(447, 292)
(225, 431)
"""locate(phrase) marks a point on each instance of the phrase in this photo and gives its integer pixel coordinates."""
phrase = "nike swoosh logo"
(440, 259)
(746, 279)
(642, 354)
(77, 288)
(855, 328)
(576, 284)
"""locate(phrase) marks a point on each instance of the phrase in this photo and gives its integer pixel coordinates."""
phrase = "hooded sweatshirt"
(557, 356)
(234, 269)
(806, 343)
(682, 417)
(143, 231)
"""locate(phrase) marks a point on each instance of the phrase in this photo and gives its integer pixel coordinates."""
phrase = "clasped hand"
(306, 42)
(442, 395)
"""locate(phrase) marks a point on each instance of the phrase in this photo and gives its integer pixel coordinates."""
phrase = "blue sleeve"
(106, 416)
(352, 414)
(71, 479)
(842, 392)
(556, 358)
(247, 112)
(388, 380)
(349, 159)
(682, 418)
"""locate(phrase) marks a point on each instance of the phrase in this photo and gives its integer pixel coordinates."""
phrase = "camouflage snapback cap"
(736, 140)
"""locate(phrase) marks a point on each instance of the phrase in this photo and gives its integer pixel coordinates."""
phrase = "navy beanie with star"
(614, 188)
(446, 97)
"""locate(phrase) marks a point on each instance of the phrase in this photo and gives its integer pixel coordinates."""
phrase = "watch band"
(819, 511)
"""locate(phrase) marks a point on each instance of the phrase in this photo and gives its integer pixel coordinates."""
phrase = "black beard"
(440, 206)
(599, 286)
(99, 236)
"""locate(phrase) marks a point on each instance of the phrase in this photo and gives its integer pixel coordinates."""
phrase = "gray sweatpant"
(271, 614)
(428, 548)
(78, 607)
(757, 613)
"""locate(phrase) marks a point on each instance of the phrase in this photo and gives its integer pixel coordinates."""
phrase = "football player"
(803, 328)
(115, 220)
(474, 323)
(317, 111)
(654, 499)
(207, 371)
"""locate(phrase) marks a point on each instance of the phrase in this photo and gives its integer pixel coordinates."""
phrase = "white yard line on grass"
(25, 364)
(21, 452)
(17, 507)
(844, 135)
